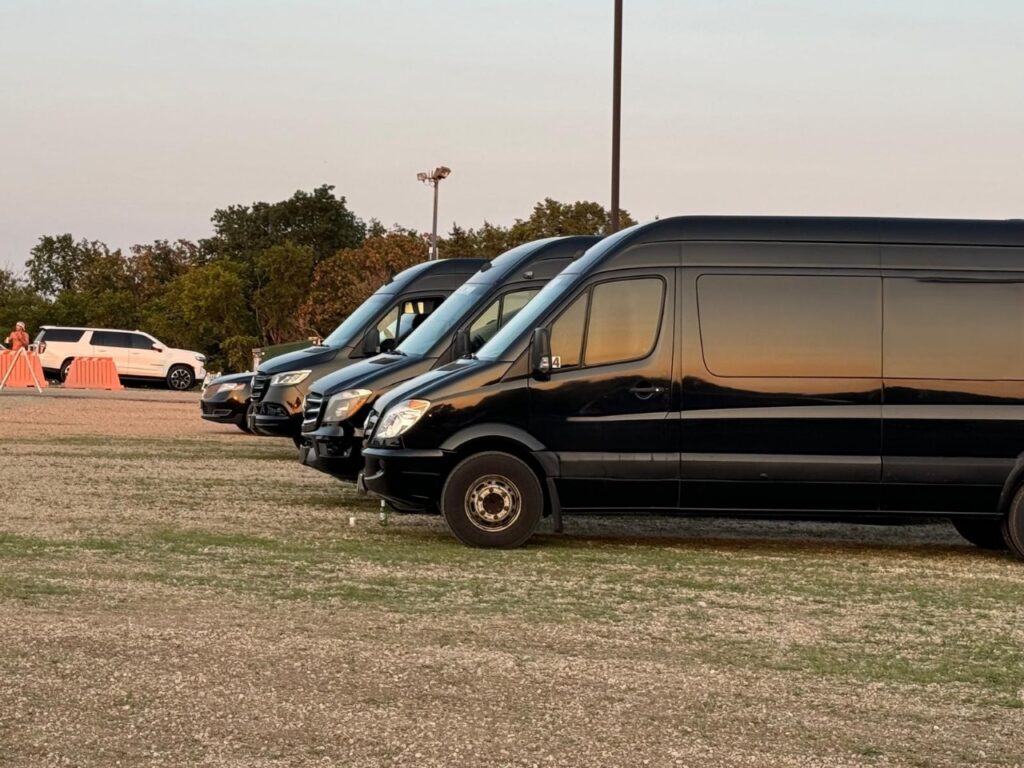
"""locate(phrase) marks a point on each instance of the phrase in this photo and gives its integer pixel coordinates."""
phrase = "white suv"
(136, 355)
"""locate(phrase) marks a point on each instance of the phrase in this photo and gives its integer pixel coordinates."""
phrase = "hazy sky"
(127, 121)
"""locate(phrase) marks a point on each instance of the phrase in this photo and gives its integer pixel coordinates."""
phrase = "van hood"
(444, 377)
(296, 361)
(375, 374)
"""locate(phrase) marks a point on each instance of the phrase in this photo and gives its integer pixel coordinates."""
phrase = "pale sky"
(131, 120)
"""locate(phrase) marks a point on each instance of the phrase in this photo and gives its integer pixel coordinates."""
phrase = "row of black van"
(822, 367)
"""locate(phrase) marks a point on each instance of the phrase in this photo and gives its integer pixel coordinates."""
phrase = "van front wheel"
(1013, 525)
(492, 499)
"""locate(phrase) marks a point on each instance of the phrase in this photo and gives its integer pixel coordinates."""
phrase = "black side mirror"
(371, 342)
(157, 349)
(540, 353)
(460, 347)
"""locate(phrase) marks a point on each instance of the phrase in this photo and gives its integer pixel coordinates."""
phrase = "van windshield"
(526, 320)
(354, 324)
(445, 320)
(499, 347)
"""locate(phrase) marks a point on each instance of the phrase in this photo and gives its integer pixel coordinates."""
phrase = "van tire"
(492, 499)
(984, 534)
(180, 378)
(1013, 525)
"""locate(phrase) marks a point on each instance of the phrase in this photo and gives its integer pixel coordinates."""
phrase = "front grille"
(311, 411)
(260, 385)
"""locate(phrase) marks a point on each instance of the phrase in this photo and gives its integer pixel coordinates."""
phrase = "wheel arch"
(1014, 480)
(505, 439)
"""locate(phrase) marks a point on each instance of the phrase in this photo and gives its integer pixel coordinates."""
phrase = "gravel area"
(178, 593)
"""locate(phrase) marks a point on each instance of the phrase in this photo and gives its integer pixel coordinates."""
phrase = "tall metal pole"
(616, 113)
(433, 236)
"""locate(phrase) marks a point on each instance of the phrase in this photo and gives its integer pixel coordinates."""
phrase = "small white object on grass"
(352, 521)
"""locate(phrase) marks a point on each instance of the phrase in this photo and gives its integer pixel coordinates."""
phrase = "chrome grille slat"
(311, 407)
(260, 384)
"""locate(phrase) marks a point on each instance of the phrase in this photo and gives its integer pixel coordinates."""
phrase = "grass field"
(176, 593)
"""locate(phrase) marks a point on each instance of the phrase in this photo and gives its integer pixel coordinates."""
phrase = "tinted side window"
(567, 334)
(496, 315)
(141, 342)
(953, 330)
(793, 326)
(59, 334)
(624, 320)
(485, 326)
(111, 339)
(404, 318)
(413, 313)
(514, 302)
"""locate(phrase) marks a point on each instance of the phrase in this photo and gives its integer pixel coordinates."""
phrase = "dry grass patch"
(177, 593)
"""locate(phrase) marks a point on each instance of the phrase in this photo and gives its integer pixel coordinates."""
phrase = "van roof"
(426, 270)
(530, 258)
(979, 232)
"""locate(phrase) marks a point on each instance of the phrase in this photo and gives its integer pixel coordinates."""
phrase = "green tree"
(18, 302)
(282, 282)
(201, 310)
(57, 262)
(549, 218)
(316, 220)
(154, 266)
(342, 282)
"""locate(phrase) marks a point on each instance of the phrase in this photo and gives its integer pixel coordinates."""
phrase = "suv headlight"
(345, 404)
(400, 419)
(290, 378)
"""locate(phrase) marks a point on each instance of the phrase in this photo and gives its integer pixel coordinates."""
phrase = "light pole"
(434, 178)
(616, 112)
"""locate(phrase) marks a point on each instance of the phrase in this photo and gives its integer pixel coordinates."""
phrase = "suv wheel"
(180, 378)
(492, 499)
(64, 369)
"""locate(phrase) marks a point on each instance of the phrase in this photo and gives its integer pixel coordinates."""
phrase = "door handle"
(644, 390)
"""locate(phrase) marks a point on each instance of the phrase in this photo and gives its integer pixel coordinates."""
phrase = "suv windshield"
(442, 322)
(354, 323)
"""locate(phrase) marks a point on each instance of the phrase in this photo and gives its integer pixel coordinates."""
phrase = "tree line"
(270, 273)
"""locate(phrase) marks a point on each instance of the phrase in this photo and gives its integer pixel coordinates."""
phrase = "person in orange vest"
(18, 338)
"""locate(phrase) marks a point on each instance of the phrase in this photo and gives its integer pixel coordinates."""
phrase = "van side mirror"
(460, 347)
(371, 342)
(540, 353)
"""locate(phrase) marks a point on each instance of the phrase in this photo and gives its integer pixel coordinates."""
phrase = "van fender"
(504, 431)
(1013, 481)
(548, 460)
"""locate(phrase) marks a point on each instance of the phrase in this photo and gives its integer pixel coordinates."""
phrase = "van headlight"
(400, 419)
(345, 404)
(290, 378)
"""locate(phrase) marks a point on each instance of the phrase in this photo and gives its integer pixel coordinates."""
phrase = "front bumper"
(279, 412)
(406, 477)
(336, 451)
(225, 411)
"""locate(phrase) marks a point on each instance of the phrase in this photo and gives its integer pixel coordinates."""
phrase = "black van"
(337, 404)
(379, 323)
(830, 367)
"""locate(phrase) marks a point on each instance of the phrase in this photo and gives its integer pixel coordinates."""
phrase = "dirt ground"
(177, 593)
